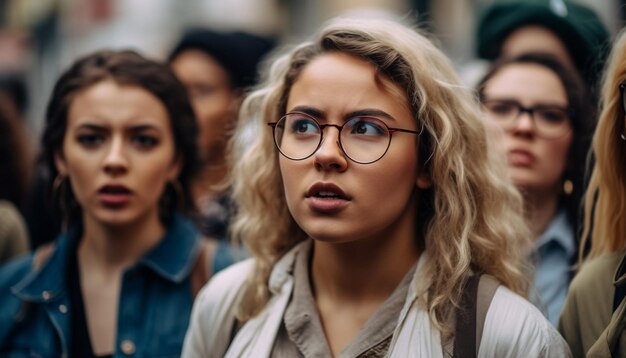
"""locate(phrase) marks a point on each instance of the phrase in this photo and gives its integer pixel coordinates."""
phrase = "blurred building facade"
(39, 38)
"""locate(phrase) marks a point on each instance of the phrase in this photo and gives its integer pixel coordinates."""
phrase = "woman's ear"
(59, 163)
(423, 180)
(176, 167)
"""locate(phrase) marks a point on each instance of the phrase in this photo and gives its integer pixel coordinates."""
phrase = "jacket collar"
(283, 269)
(620, 275)
(172, 259)
(561, 232)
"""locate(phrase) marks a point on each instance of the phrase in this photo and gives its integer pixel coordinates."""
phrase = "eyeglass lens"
(363, 139)
(550, 121)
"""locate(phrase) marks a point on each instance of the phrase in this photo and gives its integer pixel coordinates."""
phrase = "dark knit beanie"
(238, 52)
(581, 30)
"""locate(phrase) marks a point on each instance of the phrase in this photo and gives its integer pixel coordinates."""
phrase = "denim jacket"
(154, 307)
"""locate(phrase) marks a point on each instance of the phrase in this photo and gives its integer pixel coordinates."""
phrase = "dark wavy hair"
(15, 158)
(129, 68)
(582, 119)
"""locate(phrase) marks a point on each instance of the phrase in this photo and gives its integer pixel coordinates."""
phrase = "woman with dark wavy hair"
(120, 142)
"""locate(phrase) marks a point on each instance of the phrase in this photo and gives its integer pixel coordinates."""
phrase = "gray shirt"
(301, 333)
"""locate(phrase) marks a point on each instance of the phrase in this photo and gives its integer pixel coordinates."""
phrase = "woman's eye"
(304, 126)
(365, 127)
(145, 141)
(552, 115)
(90, 140)
(502, 109)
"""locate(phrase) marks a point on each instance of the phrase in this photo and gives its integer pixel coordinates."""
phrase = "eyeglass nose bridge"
(530, 111)
(531, 114)
(338, 142)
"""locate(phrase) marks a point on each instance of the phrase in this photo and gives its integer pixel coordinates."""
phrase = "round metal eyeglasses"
(363, 140)
(549, 121)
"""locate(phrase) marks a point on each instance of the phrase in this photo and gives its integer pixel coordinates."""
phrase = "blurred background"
(39, 38)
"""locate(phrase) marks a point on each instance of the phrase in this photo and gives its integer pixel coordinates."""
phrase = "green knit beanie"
(581, 30)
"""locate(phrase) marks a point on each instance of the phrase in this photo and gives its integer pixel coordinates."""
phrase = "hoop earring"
(568, 187)
(622, 136)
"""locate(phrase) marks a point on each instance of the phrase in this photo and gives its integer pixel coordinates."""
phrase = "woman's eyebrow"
(369, 113)
(144, 127)
(313, 112)
(91, 126)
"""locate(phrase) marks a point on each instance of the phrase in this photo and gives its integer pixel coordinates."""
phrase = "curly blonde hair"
(472, 216)
(605, 223)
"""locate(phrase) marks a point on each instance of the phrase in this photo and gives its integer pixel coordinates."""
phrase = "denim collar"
(172, 259)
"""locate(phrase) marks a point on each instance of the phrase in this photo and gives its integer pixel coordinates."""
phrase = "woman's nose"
(116, 161)
(524, 122)
(329, 155)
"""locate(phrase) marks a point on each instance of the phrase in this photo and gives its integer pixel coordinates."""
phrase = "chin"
(115, 219)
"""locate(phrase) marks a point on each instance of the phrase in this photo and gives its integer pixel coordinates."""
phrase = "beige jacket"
(513, 326)
(589, 304)
(13, 233)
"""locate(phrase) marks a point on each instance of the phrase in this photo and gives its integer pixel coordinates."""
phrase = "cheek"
(558, 152)
(497, 137)
(81, 176)
(288, 173)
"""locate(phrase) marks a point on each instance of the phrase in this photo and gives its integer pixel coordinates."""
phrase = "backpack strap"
(471, 313)
(465, 327)
(202, 271)
(486, 290)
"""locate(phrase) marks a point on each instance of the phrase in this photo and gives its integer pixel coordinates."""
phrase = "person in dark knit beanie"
(216, 68)
(577, 28)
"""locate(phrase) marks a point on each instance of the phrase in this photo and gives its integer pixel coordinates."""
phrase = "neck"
(363, 270)
(114, 248)
(540, 208)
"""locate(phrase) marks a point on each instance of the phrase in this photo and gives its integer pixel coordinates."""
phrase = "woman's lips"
(114, 195)
(326, 205)
(520, 158)
(326, 198)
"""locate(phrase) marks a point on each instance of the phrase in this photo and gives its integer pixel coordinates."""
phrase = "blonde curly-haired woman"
(367, 199)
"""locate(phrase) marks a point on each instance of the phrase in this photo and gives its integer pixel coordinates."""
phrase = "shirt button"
(63, 308)
(46, 295)
(128, 347)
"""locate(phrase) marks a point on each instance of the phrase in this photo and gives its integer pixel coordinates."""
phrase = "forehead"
(533, 39)
(526, 80)
(343, 82)
(194, 65)
(110, 103)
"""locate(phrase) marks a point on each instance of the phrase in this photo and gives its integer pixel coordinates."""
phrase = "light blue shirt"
(554, 252)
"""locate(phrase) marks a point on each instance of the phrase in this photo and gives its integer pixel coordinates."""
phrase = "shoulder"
(588, 307)
(225, 282)
(14, 271)
(597, 274)
(7, 210)
(593, 284)
(11, 221)
(11, 274)
(214, 311)
(516, 328)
